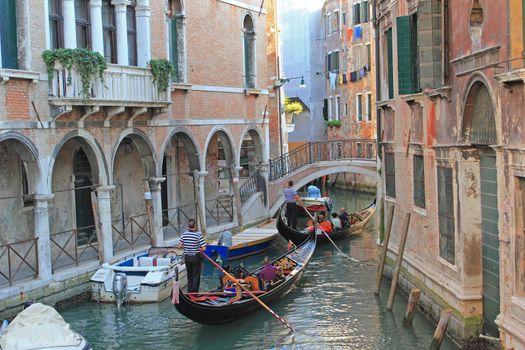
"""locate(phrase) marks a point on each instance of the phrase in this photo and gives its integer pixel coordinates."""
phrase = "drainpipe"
(378, 80)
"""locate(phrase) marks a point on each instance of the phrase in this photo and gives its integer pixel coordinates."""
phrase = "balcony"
(123, 86)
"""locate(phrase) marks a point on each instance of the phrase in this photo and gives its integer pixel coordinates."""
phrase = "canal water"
(333, 307)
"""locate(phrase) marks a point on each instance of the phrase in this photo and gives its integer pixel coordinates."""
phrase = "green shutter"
(390, 64)
(174, 54)
(404, 56)
(8, 34)
(246, 61)
(364, 12)
(357, 14)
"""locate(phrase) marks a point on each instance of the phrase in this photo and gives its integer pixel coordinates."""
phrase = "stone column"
(264, 169)
(41, 222)
(70, 31)
(97, 38)
(202, 199)
(156, 199)
(143, 14)
(122, 31)
(106, 232)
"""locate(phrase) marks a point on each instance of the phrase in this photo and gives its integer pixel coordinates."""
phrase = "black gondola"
(357, 221)
(215, 307)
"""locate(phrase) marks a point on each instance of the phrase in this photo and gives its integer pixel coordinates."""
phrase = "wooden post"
(98, 228)
(200, 213)
(389, 219)
(236, 194)
(399, 259)
(413, 299)
(149, 213)
(441, 328)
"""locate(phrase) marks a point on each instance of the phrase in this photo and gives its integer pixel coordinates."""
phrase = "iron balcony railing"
(18, 261)
(318, 151)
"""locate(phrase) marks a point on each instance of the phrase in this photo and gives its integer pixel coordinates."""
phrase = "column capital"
(105, 188)
(156, 183)
(143, 6)
(44, 197)
(95, 3)
(203, 173)
(120, 4)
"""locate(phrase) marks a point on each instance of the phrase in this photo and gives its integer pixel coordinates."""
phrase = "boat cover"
(39, 327)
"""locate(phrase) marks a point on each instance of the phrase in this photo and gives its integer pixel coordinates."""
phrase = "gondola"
(220, 305)
(357, 221)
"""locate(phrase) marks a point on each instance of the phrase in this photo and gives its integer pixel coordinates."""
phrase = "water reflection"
(333, 307)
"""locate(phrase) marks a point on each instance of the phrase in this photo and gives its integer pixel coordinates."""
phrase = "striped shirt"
(289, 194)
(192, 241)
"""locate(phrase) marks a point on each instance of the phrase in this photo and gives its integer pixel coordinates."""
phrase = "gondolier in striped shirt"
(291, 197)
(193, 244)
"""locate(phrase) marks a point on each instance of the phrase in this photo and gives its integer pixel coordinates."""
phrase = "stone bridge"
(317, 159)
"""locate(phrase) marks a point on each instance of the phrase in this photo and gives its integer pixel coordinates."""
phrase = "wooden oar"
(250, 293)
(326, 234)
(223, 293)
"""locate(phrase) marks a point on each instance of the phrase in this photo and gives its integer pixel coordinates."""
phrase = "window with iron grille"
(359, 150)
(56, 24)
(446, 214)
(419, 181)
(108, 31)
(390, 174)
(132, 35)
(82, 24)
(369, 150)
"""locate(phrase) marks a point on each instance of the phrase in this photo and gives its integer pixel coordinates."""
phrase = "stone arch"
(145, 148)
(258, 144)
(93, 151)
(230, 151)
(190, 144)
(320, 173)
(478, 124)
(250, 70)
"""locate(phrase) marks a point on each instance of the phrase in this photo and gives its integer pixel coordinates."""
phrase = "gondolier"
(291, 196)
(193, 244)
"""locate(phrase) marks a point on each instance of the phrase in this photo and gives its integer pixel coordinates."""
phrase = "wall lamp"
(280, 82)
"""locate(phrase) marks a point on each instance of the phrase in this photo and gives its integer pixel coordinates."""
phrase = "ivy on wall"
(161, 70)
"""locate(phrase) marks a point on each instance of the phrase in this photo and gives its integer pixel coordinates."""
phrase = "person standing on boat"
(193, 244)
(291, 196)
(343, 216)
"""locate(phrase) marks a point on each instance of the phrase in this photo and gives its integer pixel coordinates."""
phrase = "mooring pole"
(441, 328)
(149, 212)
(413, 299)
(399, 260)
(389, 219)
(236, 194)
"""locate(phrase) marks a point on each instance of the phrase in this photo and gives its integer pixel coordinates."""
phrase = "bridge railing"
(250, 186)
(311, 152)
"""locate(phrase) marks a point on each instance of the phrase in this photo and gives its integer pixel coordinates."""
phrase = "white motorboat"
(141, 278)
(40, 327)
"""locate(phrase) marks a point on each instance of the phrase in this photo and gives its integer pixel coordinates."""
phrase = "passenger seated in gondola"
(325, 225)
(343, 215)
(309, 226)
(269, 274)
(336, 221)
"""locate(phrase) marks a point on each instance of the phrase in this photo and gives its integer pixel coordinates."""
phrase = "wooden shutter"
(357, 14)
(390, 64)
(8, 34)
(390, 174)
(325, 109)
(247, 71)
(174, 54)
(446, 215)
(407, 62)
(364, 12)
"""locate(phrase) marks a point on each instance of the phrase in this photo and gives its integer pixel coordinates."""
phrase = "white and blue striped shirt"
(191, 242)
(289, 194)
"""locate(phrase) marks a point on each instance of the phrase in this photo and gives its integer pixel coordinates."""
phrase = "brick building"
(451, 113)
(131, 144)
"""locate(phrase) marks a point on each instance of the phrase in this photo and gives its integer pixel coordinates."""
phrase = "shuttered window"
(446, 215)
(390, 174)
(407, 62)
(359, 107)
(325, 109)
(333, 62)
(419, 181)
(369, 106)
(8, 42)
(390, 64)
(356, 13)
(364, 12)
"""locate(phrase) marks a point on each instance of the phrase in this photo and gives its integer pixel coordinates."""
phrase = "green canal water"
(333, 307)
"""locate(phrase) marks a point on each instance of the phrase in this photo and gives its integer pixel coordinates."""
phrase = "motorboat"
(140, 278)
(41, 327)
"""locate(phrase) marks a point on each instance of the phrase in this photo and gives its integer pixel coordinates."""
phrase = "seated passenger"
(314, 191)
(325, 225)
(344, 218)
(336, 221)
(309, 227)
(269, 273)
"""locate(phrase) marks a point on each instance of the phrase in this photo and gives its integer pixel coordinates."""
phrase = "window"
(364, 12)
(344, 18)
(249, 52)
(419, 181)
(368, 106)
(335, 22)
(446, 214)
(356, 12)
(358, 60)
(407, 55)
(369, 150)
(359, 150)
(108, 28)
(520, 240)
(390, 174)
(132, 35)
(337, 109)
(390, 65)
(177, 40)
(8, 43)
(56, 24)
(82, 24)
(359, 107)
(325, 109)
(368, 56)
(446, 42)
(333, 62)
(328, 24)
(330, 115)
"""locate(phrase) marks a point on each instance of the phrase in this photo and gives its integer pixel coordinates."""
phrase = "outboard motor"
(120, 287)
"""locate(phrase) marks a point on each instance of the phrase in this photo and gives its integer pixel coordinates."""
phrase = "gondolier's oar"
(251, 293)
(326, 234)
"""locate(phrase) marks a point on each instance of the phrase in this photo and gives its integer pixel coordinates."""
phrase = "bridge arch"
(277, 186)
